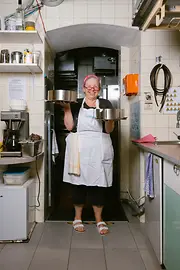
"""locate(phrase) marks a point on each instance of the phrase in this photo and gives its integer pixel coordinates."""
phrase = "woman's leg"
(78, 198)
(97, 198)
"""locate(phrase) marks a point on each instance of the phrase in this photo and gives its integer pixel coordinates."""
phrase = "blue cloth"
(149, 179)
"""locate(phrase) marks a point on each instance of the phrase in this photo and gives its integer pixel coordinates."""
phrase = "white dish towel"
(74, 155)
(55, 150)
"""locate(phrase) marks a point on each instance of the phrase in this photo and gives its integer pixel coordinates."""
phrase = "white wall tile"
(174, 38)
(161, 121)
(162, 133)
(148, 121)
(107, 11)
(122, 11)
(175, 52)
(121, 21)
(94, 11)
(66, 9)
(80, 10)
(163, 51)
(171, 135)
(148, 52)
(162, 38)
(172, 121)
(148, 38)
(80, 20)
(107, 20)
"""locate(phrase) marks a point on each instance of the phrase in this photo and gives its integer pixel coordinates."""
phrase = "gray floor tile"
(89, 239)
(18, 256)
(56, 235)
(47, 259)
(87, 259)
(1, 246)
(125, 259)
(150, 260)
(120, 236)
(139, 235)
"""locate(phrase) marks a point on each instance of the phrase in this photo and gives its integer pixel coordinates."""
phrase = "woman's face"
(91, 88)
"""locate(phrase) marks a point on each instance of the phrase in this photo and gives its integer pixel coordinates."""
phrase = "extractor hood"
(163, 14)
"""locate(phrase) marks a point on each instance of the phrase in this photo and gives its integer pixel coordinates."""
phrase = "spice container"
(29, 26)
(16, 57)
(4, 56)
(27, 57)
(36, 57)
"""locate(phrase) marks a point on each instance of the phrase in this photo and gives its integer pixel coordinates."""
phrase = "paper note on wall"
(172, 103)
(17, 88)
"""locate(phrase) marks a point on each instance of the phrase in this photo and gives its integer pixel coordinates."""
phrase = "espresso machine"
(17, 129)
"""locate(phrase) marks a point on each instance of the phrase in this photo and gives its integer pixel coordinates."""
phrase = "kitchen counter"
(168, 152)
(18, 160)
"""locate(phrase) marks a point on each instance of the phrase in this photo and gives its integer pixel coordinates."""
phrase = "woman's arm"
(109, 126)
(68, 118)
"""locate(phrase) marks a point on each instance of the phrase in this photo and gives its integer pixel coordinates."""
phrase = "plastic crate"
(16, 176)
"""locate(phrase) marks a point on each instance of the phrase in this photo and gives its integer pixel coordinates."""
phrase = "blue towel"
(149, 179)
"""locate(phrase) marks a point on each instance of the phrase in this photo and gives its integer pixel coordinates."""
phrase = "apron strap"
(97, 103)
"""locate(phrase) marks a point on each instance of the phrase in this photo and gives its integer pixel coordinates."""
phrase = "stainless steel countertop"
(168, 152)
(18, 160)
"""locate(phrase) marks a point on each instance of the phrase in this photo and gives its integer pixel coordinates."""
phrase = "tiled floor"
(55, 246)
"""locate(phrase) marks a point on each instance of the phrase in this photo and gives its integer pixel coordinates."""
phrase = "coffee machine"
(17, 129)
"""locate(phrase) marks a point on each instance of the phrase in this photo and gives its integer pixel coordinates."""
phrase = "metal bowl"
(62, 95)
(109, 114)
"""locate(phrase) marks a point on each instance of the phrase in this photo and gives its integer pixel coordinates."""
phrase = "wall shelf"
(20, 68)
(25, 37)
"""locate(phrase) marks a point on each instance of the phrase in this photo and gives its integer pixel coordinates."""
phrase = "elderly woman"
(92, 149)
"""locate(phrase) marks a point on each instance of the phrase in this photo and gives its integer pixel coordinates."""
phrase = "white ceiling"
(89, 35)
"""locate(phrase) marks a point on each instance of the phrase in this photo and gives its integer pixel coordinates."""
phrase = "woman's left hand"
(109, 125)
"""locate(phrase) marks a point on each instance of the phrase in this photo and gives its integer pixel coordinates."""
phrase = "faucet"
(178, 119)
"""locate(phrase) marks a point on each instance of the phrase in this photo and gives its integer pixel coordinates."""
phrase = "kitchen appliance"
(17, 211)
(62, 95)
(154, 210)
(16, 57)
(17, 129)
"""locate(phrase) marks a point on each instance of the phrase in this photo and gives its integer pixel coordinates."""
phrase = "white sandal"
(78, 224)
(104, 227)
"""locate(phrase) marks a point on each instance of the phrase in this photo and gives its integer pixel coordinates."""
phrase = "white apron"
(96, 152)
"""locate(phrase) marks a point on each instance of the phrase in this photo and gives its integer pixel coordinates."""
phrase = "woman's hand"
(109, 126)
(64, 104)
(68, 118)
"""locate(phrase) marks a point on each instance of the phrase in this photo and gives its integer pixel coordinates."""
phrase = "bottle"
(19, 16)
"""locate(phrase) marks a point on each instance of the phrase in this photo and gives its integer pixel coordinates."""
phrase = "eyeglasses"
(96, 88)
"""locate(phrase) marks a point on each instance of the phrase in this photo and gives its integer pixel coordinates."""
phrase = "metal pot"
(109, 114)
(62, 95)
(16, 57)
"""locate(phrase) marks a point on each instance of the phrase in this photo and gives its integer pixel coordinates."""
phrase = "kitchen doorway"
(70, 69)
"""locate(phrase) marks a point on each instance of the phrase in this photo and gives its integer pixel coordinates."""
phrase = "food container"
(10, 24)
(16, 57)
(36, 57)
(29, 26)
(109, 114)
(16, 175)
(27, 57)
(4, 56)
(30, 148)
(62, 95)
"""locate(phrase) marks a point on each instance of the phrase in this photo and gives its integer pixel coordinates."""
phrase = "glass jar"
(29, 26)
(36, 57)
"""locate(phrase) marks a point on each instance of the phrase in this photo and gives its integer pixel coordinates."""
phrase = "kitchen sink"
(167, 143)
